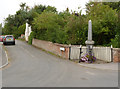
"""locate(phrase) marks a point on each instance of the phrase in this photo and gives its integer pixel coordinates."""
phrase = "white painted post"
(30, 30)
(26, 32)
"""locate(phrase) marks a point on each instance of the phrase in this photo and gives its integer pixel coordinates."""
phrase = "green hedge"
(32, 35)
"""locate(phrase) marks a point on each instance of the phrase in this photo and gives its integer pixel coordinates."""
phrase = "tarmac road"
(3, 57)
(31, 67)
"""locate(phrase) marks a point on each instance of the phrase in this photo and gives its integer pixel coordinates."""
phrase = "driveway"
(31, 67)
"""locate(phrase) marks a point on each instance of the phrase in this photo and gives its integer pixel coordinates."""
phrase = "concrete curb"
(6, 62)
(93, 67)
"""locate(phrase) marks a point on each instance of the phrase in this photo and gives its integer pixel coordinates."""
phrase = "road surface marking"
(6, 62)
(27, 52)
(88, 72)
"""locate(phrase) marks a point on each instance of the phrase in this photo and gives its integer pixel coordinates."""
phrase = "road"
(0, 54)
(31, 67)
(3, 57)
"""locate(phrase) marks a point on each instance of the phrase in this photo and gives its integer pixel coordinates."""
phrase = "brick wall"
(55, 48)
(52, 47)
(116, 54)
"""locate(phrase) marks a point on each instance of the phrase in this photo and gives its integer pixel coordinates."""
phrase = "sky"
(11, 6)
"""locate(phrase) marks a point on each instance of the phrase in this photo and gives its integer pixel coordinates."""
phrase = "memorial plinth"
(89, 43)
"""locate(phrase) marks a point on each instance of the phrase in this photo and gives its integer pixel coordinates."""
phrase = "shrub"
(116, 41)
(32, 35)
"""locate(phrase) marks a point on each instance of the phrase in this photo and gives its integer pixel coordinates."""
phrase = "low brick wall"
(103, 53)
(116, 54)
(52, 47)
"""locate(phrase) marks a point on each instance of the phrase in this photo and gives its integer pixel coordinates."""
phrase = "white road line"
(88, 72)
(6, 62)
(27, 52)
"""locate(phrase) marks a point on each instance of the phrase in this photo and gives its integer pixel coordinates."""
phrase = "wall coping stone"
(116, 49)
(62, 45)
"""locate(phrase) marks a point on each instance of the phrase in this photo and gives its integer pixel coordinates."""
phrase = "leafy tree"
(65, 27)
(50, 9)
(116, 41)
(104, 21)
(13, 22)
(9, 24)
(65, 15)
(21, 29)
(116, 6)
(22, 5)
(113, 5)
(47, 25)
(76, 30)
(38, 9)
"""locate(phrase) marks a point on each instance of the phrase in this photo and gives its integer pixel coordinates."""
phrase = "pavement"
(106, 66)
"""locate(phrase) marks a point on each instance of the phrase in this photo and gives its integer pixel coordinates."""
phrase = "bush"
(21, 29)
(47, 26)
(18, 31)
(32, 35)
(116, 41)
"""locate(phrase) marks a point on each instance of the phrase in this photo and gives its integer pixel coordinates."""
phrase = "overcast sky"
(11, 6)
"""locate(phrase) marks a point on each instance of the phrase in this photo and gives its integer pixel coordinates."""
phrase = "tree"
(22, 5)
(20, 30)
(116, 41)
(13, 22)
(50, 9)
(104, 20)
(34, 12)
(47, 26)
(76, 29)
(38, 9)
(65, 27)
(113, 5)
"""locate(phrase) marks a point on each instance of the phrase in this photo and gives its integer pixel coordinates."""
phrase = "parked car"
(2, 38)
(9, 39)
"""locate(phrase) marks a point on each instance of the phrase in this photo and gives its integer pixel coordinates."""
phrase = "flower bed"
(88, 58)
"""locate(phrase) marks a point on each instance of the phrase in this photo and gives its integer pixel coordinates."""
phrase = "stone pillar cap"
(89, 42)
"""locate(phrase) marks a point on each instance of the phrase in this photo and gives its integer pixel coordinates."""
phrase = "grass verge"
(20, 39)
(49, 52)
